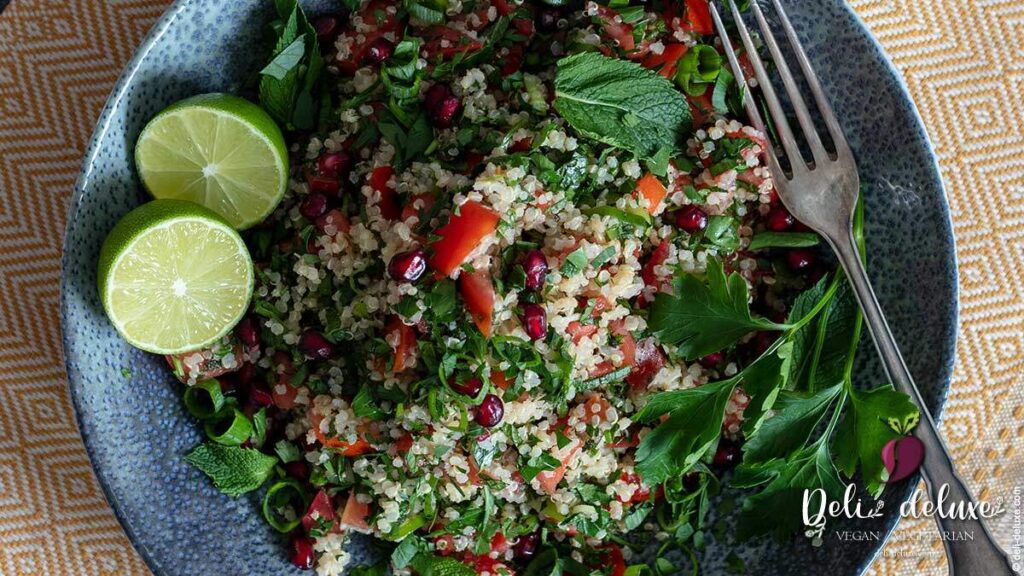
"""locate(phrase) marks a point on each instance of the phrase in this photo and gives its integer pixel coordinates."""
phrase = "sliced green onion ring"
(237, 431)
(204, 399)
(284, 493)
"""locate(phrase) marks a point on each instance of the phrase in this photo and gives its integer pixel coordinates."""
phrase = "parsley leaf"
(796, 418)
(777, 507)
(234, 470)
(289, 87)
(621, 103)
(701, 318)
(876, 417)
(692, 428)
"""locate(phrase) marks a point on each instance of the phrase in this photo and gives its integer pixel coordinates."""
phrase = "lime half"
(217, 150)
(174, 277)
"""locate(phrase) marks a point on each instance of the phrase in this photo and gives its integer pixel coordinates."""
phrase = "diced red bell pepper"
(698, 17)
(357, 448)
(402, 339)
(388, 197)
(657, 258)
(667, 61)
(614, 559)
(477, 291)
(461, 235)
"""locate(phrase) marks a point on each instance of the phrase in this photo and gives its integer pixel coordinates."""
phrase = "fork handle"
(970, 547)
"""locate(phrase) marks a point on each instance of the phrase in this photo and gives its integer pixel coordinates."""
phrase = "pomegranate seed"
(315, 346)
(408, 266)
(800, 259)
(712, 360)
(547, 20)
(535, 321)
(324, 185)
(490, 412)
(728, 454)
(248, 332)
(379, 51)
(536, 267)
(327, 29)
(526, 546)
(334, 164)
(260, 396)
(470, 387)
(314, 206)
(435, 95)
(691, 219)
(779, 219)
(442, 105)
(302, 555)
(297, 469)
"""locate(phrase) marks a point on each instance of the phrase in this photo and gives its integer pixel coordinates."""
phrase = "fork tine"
(774, 106)
(748, 99)
(824, 106)
(803, 115)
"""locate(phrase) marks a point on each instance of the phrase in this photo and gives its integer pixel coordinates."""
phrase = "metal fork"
(822, 194)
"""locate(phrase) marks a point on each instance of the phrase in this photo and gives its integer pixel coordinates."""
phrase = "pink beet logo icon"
(902, 457)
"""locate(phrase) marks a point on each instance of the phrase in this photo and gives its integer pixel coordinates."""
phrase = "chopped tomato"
(701, 108)
(446, 42)
(549, 479)
(512, 61)
(641, 494)
(614, 559)
(499, 543)
(321, 508)
(499, 379)
(657, 258)
(667, 61)
(282, 391)
(357, 448)
(355, 514)
(648, 360)
(461, 235)
(698, 17)
(653, 190)
(596, 405)
(403, 444)
(444, 544)
(410, 209)
(478, 292)
(377, 21)
(628, 349)
(323, 184)
(402, 339)
(336, 219)
(618, 31)
(580, 331)
(388, 203)
(503, 7)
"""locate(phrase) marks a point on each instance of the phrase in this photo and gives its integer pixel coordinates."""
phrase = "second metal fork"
(822, 193)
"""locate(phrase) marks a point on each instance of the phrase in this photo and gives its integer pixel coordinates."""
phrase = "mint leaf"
(286, 60)
(621, 103)
(430, 565)
(405, 552)
(872, 421)
(795, 420)
(234, 470)
(701, 318)
(693, 426)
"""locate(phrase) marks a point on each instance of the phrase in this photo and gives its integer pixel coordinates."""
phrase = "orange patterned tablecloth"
(963, 61)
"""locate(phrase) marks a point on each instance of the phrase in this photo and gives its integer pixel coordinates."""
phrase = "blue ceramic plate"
(129, 408)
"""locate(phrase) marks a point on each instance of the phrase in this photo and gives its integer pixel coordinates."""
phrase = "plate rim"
(170, 16)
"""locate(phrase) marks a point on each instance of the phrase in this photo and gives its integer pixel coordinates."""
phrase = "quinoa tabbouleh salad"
(523, 294)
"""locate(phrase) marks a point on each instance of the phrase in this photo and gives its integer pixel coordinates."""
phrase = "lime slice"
(174, 277)
(217, 150)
